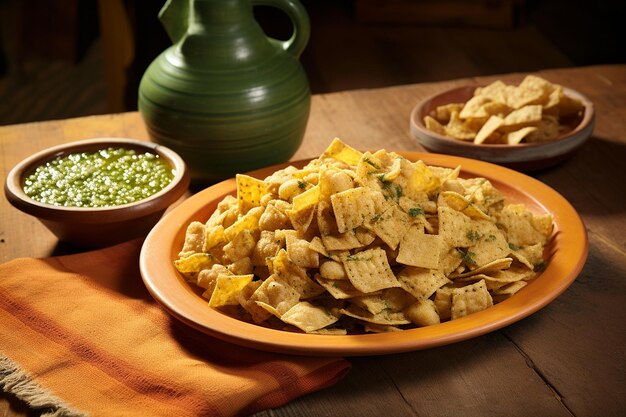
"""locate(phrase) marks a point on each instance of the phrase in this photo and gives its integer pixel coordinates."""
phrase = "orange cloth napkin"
(81, 334)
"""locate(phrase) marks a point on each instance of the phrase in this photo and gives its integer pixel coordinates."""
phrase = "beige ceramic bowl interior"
(567, 253)
(96, 227)
(524, 156)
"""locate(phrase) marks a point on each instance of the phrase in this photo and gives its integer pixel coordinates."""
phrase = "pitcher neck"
(218, 12)
(223, 34)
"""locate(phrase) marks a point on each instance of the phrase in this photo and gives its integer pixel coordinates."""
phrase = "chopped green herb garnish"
(356, 257)
(301, 184)
(416, 211)
(467, 256)
(541, 266)
(513, 246)
(369, 161)
(398, 192)
(473, 235)
(377, 218)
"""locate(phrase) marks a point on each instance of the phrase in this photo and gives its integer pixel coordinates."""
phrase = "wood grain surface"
(568, 359)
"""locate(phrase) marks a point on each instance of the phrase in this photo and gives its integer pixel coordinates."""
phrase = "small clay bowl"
(98, 227)
(522, 157)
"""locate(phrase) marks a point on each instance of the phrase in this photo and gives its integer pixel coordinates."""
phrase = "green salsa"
(105, 178)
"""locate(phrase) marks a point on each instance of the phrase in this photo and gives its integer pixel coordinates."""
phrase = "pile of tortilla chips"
(362, 242)
(534, 111)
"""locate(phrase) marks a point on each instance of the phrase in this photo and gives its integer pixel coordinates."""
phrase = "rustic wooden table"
(568, 359)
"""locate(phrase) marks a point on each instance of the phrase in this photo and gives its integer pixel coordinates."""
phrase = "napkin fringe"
(15, 381)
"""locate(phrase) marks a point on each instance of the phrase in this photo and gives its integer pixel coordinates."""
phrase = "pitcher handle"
(300, 20)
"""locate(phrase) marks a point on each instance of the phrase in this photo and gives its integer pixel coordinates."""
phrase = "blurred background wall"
(68, 58)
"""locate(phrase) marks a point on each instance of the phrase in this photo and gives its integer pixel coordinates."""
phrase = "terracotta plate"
(568, 250)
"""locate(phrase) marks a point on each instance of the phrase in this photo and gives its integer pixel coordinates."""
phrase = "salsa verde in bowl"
(98, 192)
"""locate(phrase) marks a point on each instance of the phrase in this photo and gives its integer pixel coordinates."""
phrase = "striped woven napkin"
(80, 335)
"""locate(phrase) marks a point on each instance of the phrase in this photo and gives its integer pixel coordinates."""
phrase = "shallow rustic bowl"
(97, 227)
(524, 156)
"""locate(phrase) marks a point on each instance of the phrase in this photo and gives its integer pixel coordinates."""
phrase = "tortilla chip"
(392, 299)
(462, 204)
(227, 287)
(278, 294)
(420, 282)
(380, 328)
(194, 263)
(249, 221)
(547, 129)
(355, 207)
(342, 152)
(390, 225)
(442, 113)
(455, 228)
(385, 317)
(522, 228)
(470, 299)
(369, 270)
(525, 116)
(459, 129)
(249, 192)
(492, 124)
(473, 108)
(443, 302)
(306, 199)
(495, 92)
(294, 275)
(339, 289)
(515, 137)
(423, 313)
(510, 289)
(433, 125)
(496, 265)
(419, 249)
(308, 317)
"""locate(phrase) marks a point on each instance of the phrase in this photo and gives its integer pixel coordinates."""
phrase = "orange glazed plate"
(568, 250)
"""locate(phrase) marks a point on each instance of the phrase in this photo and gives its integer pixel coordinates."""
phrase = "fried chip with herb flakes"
(249, 192)
(369, 270)
(364, 242)
(355, 207)
(390, 225)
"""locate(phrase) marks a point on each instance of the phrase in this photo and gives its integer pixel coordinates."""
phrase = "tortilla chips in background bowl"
(532, 125)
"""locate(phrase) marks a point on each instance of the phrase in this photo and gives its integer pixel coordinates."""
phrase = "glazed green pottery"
(225, 96)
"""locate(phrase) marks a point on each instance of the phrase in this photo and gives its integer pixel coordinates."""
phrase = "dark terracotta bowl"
(98, 227)
(524, 156)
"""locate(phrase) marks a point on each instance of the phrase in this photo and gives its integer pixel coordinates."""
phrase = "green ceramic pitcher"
(225, 96)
